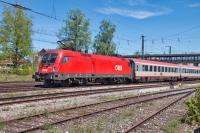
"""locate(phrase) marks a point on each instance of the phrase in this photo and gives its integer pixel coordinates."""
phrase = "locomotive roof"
(74, 53)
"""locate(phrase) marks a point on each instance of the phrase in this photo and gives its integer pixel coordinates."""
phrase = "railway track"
(12, 87)
(137, 125)
(60, 95)
(11, 82)
(91, 109)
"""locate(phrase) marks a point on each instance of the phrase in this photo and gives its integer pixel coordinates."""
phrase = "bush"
(23, 70)
(193, 111)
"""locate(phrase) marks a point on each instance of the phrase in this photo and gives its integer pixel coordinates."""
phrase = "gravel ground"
(57, 90)
(116, 120)
(67, 114)
(156, 124)
(27, 109)
(19, 110)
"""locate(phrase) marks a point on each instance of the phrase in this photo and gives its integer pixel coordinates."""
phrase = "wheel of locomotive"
(65, 83)
(48, 83)
(84, 81)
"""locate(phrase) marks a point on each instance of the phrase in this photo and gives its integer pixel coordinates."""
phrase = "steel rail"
(100, 111)
(156, 113)
(21, 88)
(4, 89)
(22, 99)
(98, 103)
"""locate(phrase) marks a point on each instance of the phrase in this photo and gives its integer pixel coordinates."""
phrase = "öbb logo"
(118, 67)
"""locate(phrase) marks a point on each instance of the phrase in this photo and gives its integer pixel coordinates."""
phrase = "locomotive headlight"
(54, 69)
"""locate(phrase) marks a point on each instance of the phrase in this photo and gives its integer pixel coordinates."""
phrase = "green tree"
(75, 34)
(103, 43)
(15, 35)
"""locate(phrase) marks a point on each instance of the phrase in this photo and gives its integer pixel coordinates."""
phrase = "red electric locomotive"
(68, 67)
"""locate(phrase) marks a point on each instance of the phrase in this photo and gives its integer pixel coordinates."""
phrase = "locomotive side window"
(65, 59)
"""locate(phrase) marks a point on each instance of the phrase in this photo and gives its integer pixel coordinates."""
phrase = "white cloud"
(136, 2)
(138, 14)
(194, 5)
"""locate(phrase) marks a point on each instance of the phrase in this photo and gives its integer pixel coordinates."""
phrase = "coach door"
(132, 65)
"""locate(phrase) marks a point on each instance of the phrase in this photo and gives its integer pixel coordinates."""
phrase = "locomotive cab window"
(49, 58)
(65, 59)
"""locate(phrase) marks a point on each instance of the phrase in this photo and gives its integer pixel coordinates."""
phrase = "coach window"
(159, 69)
(170, 69)
(155, 68)
(146, 67)
(143, 67)
(65, 59)
(137, 68)
(151, 68)
(163, 69)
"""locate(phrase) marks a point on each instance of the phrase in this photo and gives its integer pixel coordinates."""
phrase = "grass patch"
(46, 113)
(101, 124)
(108, 97)
(2, 125)
(123, 115)
(172, 126)
(82, 129)
(6, 109)
(14, 77)
(54, 130)
(51, 129)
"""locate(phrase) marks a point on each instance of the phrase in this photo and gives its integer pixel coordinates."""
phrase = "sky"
(164, 23)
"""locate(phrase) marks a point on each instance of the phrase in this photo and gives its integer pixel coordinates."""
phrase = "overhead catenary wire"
(30, 10)
(165, 39)
(48, 16)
